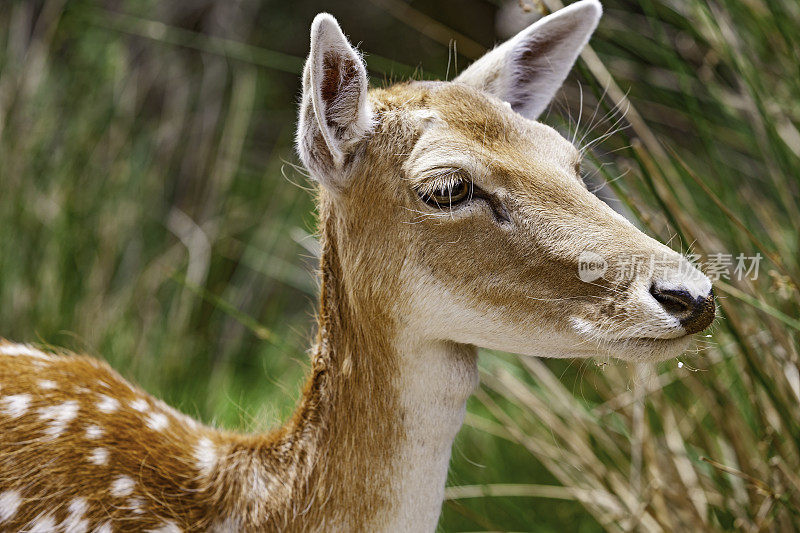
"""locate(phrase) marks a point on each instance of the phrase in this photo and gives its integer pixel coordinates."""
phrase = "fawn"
(449, 219)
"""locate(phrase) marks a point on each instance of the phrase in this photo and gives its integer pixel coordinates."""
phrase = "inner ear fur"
(334, 113)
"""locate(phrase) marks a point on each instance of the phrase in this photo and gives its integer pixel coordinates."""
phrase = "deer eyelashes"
(448, 194)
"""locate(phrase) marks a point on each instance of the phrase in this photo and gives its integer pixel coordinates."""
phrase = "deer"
(449, 219)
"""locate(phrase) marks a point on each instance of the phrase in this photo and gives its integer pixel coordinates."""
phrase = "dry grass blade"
(759, 485)
(600, 498)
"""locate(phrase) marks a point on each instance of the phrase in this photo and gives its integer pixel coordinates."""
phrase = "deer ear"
(527, 70)
(334, 113)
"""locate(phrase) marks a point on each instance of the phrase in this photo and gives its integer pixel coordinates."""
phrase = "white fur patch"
(122, 486)
(107, 404)
(157, 421)
(9, 503)
(94, 432)
(22, 349)
(60, 415)
(140, 404)
(46, 384)
(135, 505)
(15, 405)
(75, 522)
(98, 456)
(42, 524)
(105, 527)
(205, 455)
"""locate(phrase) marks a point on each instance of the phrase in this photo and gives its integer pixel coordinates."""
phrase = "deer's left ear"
(527, 70)
(334, 113)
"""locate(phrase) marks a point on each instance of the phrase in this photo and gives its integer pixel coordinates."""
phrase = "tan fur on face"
(531, 300)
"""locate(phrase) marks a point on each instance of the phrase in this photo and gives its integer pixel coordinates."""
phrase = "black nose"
(695, 314)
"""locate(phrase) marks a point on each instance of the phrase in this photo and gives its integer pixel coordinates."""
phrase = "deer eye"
(447, 194)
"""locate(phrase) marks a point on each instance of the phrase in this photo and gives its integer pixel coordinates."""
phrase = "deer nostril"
(694, 314)
(674, 301)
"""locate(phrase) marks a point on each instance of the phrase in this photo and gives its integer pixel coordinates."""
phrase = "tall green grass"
(148, 214)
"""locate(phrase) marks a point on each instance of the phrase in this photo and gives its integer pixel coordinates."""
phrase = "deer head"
(469, 219)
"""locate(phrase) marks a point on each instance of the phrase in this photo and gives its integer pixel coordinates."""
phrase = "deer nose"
(694, 313)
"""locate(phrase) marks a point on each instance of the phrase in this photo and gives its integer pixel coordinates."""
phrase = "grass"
(147, 214)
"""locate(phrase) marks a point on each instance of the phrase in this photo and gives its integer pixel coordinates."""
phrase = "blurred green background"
(151, 214)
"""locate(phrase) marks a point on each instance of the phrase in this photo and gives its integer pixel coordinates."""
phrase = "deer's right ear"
(334, 114)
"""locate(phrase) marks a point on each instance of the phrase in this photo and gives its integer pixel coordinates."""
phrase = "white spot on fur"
(22, 349)
(15, 405)
(188, 420)
(61, 415)
(98, 456)
(9, 503)
(122, 486)
(105, 527)
(78, 526)
(107, 404)
(135, 505)
(42, 524)
(140, 404)
(94, 432)
(46, 384)
(157, 421)
(74, 522)
(167, 527)
(205, 455)
(77, 507)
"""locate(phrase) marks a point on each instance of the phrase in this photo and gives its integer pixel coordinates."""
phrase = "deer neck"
(389, 406)
(436, 380)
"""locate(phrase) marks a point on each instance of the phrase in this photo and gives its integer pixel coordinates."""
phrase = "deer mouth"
(647, 348)
(668, 344)
(654, 341)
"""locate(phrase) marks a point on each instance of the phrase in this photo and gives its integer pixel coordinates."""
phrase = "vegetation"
(150, 212)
